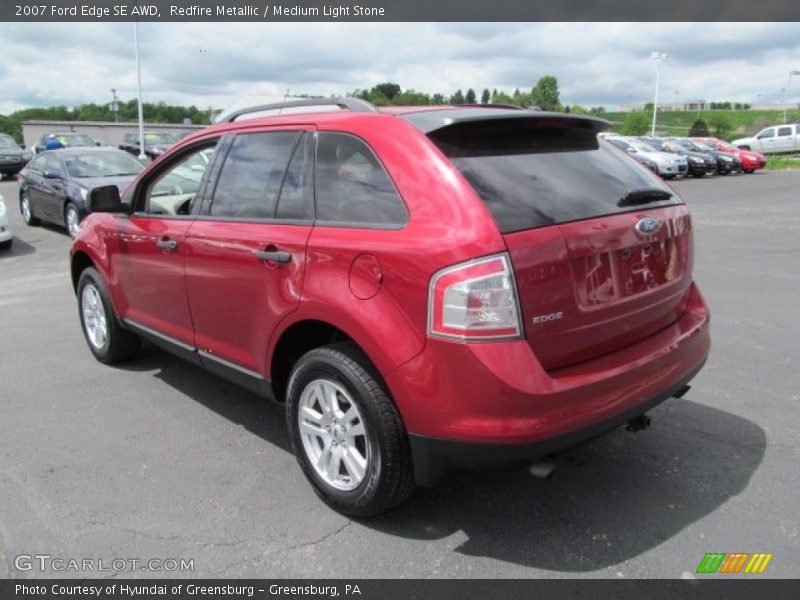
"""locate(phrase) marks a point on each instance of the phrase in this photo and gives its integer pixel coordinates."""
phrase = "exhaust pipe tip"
(638, 424)
(542, 469)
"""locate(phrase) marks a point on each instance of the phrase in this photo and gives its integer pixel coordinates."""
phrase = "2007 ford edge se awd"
(426, 288)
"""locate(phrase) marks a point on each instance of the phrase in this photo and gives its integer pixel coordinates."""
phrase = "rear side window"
(296, 199)
(783, 131)
(352, 187)
(538, 172)
(251, 176)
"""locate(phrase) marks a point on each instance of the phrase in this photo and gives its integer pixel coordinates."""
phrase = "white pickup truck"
(777, 139)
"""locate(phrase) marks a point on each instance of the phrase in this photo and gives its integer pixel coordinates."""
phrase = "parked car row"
(681, 157)
(13, 157)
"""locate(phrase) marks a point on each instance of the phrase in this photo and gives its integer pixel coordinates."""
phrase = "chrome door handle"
(167, 244)
(274, 256)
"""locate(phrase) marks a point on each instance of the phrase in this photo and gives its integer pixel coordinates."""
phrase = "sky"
(209, 65)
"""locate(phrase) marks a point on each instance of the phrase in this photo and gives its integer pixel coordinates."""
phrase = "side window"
(175, 190)
(768, 133)
(51, 163)
(784, 131)
(250, 179)
(37, 164)
(352, 187)
(296, 199)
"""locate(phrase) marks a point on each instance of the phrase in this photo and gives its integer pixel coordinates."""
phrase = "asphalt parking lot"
(156, 459)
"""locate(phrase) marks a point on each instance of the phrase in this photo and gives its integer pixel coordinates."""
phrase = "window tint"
(534, 173)
(783, 131)
(175, 190)
(251, 177)
(296, 199)
(351, 185)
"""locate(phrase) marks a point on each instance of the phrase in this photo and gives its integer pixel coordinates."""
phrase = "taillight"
(475, 300)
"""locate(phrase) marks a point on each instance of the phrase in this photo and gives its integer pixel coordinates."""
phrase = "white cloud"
(208, 64)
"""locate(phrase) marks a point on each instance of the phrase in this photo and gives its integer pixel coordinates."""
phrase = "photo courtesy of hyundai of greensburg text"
(399, 301)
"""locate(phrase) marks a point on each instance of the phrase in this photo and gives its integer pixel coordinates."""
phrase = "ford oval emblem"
(647, 226)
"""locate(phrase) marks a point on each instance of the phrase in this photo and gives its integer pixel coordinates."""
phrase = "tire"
(72, 220)
(27, 210)
(106, 339)
(365, 473)
(698, 175)
(7, 244)
(748, 171)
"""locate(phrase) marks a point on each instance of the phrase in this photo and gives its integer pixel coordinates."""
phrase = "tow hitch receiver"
(639, 423)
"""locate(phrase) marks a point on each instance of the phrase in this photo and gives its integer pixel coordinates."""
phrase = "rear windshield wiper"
(644, 196)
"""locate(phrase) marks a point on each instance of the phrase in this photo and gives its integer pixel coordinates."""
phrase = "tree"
(486, 96)
(501, 98)
(545, 93)
(721, 124)
(636, 123)
(389, 90)
(698, 129)
(470, 97)
(457, 98)
(438, 99)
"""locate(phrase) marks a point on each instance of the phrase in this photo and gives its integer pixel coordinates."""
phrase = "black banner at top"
(398, 10)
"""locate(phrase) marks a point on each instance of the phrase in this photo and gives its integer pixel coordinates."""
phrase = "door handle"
(167, 244)
(277, 256)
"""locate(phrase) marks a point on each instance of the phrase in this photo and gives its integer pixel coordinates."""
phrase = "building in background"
(108, 133)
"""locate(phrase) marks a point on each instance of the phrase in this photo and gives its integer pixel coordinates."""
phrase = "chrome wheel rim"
(26, 209)
(333, 434)
(73, 224)
(94, 317)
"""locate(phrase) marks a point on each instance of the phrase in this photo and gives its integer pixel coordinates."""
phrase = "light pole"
(659, 57)
(142, 155)
(114, 105)
(786, 94)
(675, 103)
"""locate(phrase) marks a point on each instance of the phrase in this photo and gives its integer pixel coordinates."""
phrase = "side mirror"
(105, 199)
(52, 175)
(98, 143)
(22, 146)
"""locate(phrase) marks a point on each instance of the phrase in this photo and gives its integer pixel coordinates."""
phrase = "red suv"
(425, 289)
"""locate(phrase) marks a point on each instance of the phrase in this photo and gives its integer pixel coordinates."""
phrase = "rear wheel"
(346, 432)
(26, 210)
(6, 245)
(106, 339)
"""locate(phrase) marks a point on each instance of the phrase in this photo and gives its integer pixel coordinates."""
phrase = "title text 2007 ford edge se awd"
(425, 288)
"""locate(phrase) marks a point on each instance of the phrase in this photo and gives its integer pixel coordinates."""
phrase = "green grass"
(776, 163)
(743, 122)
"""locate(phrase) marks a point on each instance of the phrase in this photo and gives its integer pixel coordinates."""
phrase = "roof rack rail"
(352, 104)
(490, 105)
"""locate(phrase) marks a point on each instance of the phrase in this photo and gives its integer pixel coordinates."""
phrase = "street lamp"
(675, 103)
(142, 155)
(786, 94)
(659, 57)
(114, 104)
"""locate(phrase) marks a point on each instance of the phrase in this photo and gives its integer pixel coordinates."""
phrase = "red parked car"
(425, 289)
(750, 160)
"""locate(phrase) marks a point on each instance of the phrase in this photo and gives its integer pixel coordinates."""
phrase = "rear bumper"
(473, 405)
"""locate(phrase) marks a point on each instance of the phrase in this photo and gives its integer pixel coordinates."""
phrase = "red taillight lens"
(476, 300)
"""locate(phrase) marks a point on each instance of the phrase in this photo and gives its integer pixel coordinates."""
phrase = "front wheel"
(72, 220)
(106, 339)
(346, 432)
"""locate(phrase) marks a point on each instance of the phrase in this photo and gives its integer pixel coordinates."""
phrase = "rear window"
(539, 172)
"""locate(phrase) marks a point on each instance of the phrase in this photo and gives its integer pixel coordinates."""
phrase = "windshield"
(725, 146)
(654, 144)
(102, 164)
(158, 138)
(703, 147)
(75, 139)
(621, 144)
(641, 146)
(6, 141)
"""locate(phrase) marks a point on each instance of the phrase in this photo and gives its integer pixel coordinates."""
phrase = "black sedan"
(155, 143)
(700, 163)
(54, 186)
(726, 163)
(12, 156)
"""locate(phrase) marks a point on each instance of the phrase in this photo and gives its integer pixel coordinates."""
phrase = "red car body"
(609, 319)
(751, 161)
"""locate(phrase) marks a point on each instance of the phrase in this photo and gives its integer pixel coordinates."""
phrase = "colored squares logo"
(734, 562)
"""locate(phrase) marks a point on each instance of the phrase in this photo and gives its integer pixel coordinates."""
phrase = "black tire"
(119, 344)
(71, 208)
(6, 245)
(30, 220)
(388, 478)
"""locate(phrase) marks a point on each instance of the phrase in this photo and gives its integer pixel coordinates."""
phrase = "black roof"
(428, 121)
